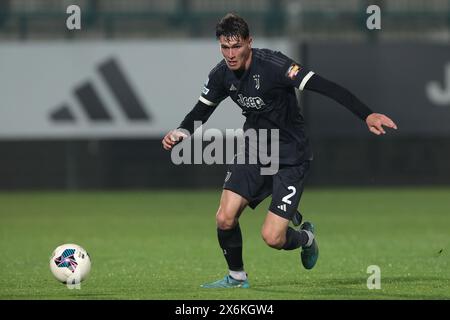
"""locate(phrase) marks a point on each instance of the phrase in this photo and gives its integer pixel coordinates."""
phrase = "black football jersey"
(266, 94)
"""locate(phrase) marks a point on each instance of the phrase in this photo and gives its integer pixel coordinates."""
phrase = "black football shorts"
(286, 186)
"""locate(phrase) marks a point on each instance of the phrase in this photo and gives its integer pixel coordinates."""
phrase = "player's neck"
(249, 60)
(240, 72)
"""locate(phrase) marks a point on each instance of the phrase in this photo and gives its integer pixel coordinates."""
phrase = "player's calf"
(273, 240)
(277, 233)
(296, 239)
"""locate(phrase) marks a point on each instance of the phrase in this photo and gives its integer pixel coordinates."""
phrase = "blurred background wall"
(87, 108)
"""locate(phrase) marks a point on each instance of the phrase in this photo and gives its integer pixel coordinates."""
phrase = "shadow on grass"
(64, 296)
(356, 288)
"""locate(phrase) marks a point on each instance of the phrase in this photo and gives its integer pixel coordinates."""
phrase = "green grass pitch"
(162, 245)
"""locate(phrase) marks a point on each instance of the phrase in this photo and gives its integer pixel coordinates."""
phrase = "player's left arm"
(295, 75)
(374, 121)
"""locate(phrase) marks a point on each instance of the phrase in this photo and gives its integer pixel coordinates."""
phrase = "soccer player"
(262, 83)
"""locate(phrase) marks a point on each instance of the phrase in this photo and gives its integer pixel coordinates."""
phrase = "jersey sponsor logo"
(256, 78)
(251, 102)
(293, 71)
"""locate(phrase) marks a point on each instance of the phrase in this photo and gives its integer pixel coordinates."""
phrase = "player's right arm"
(213, 93)
(201, 112)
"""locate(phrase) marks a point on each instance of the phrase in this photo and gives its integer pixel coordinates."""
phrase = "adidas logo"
(95, 108)
(227, 177)
(233, 88)
(282, 207)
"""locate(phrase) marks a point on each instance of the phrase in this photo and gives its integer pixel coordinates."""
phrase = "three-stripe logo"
(95, 108)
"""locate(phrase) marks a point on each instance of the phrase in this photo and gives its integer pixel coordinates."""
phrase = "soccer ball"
(70, 263)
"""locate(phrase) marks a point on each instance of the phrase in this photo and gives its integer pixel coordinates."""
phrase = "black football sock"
(295, 239)
(231, 243)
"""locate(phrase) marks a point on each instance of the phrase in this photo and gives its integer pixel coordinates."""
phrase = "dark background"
(388, 69)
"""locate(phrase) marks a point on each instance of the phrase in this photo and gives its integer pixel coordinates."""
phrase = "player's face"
(236, 51)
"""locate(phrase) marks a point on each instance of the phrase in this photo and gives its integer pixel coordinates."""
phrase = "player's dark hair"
(232, 26)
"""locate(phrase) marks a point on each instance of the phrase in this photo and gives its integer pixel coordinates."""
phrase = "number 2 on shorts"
(290, 195)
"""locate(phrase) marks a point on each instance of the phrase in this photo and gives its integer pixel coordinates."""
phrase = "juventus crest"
(256, 78)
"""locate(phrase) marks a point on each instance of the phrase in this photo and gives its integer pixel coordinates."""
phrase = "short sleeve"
(293, 74)
(213, 91)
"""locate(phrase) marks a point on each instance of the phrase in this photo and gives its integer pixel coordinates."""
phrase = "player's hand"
(172, 138)
(376, 121)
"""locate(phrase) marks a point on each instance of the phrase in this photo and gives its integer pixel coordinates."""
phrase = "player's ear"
(250, 41)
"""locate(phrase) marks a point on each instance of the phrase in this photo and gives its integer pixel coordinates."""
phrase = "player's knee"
(225, 219)
(273, 239)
